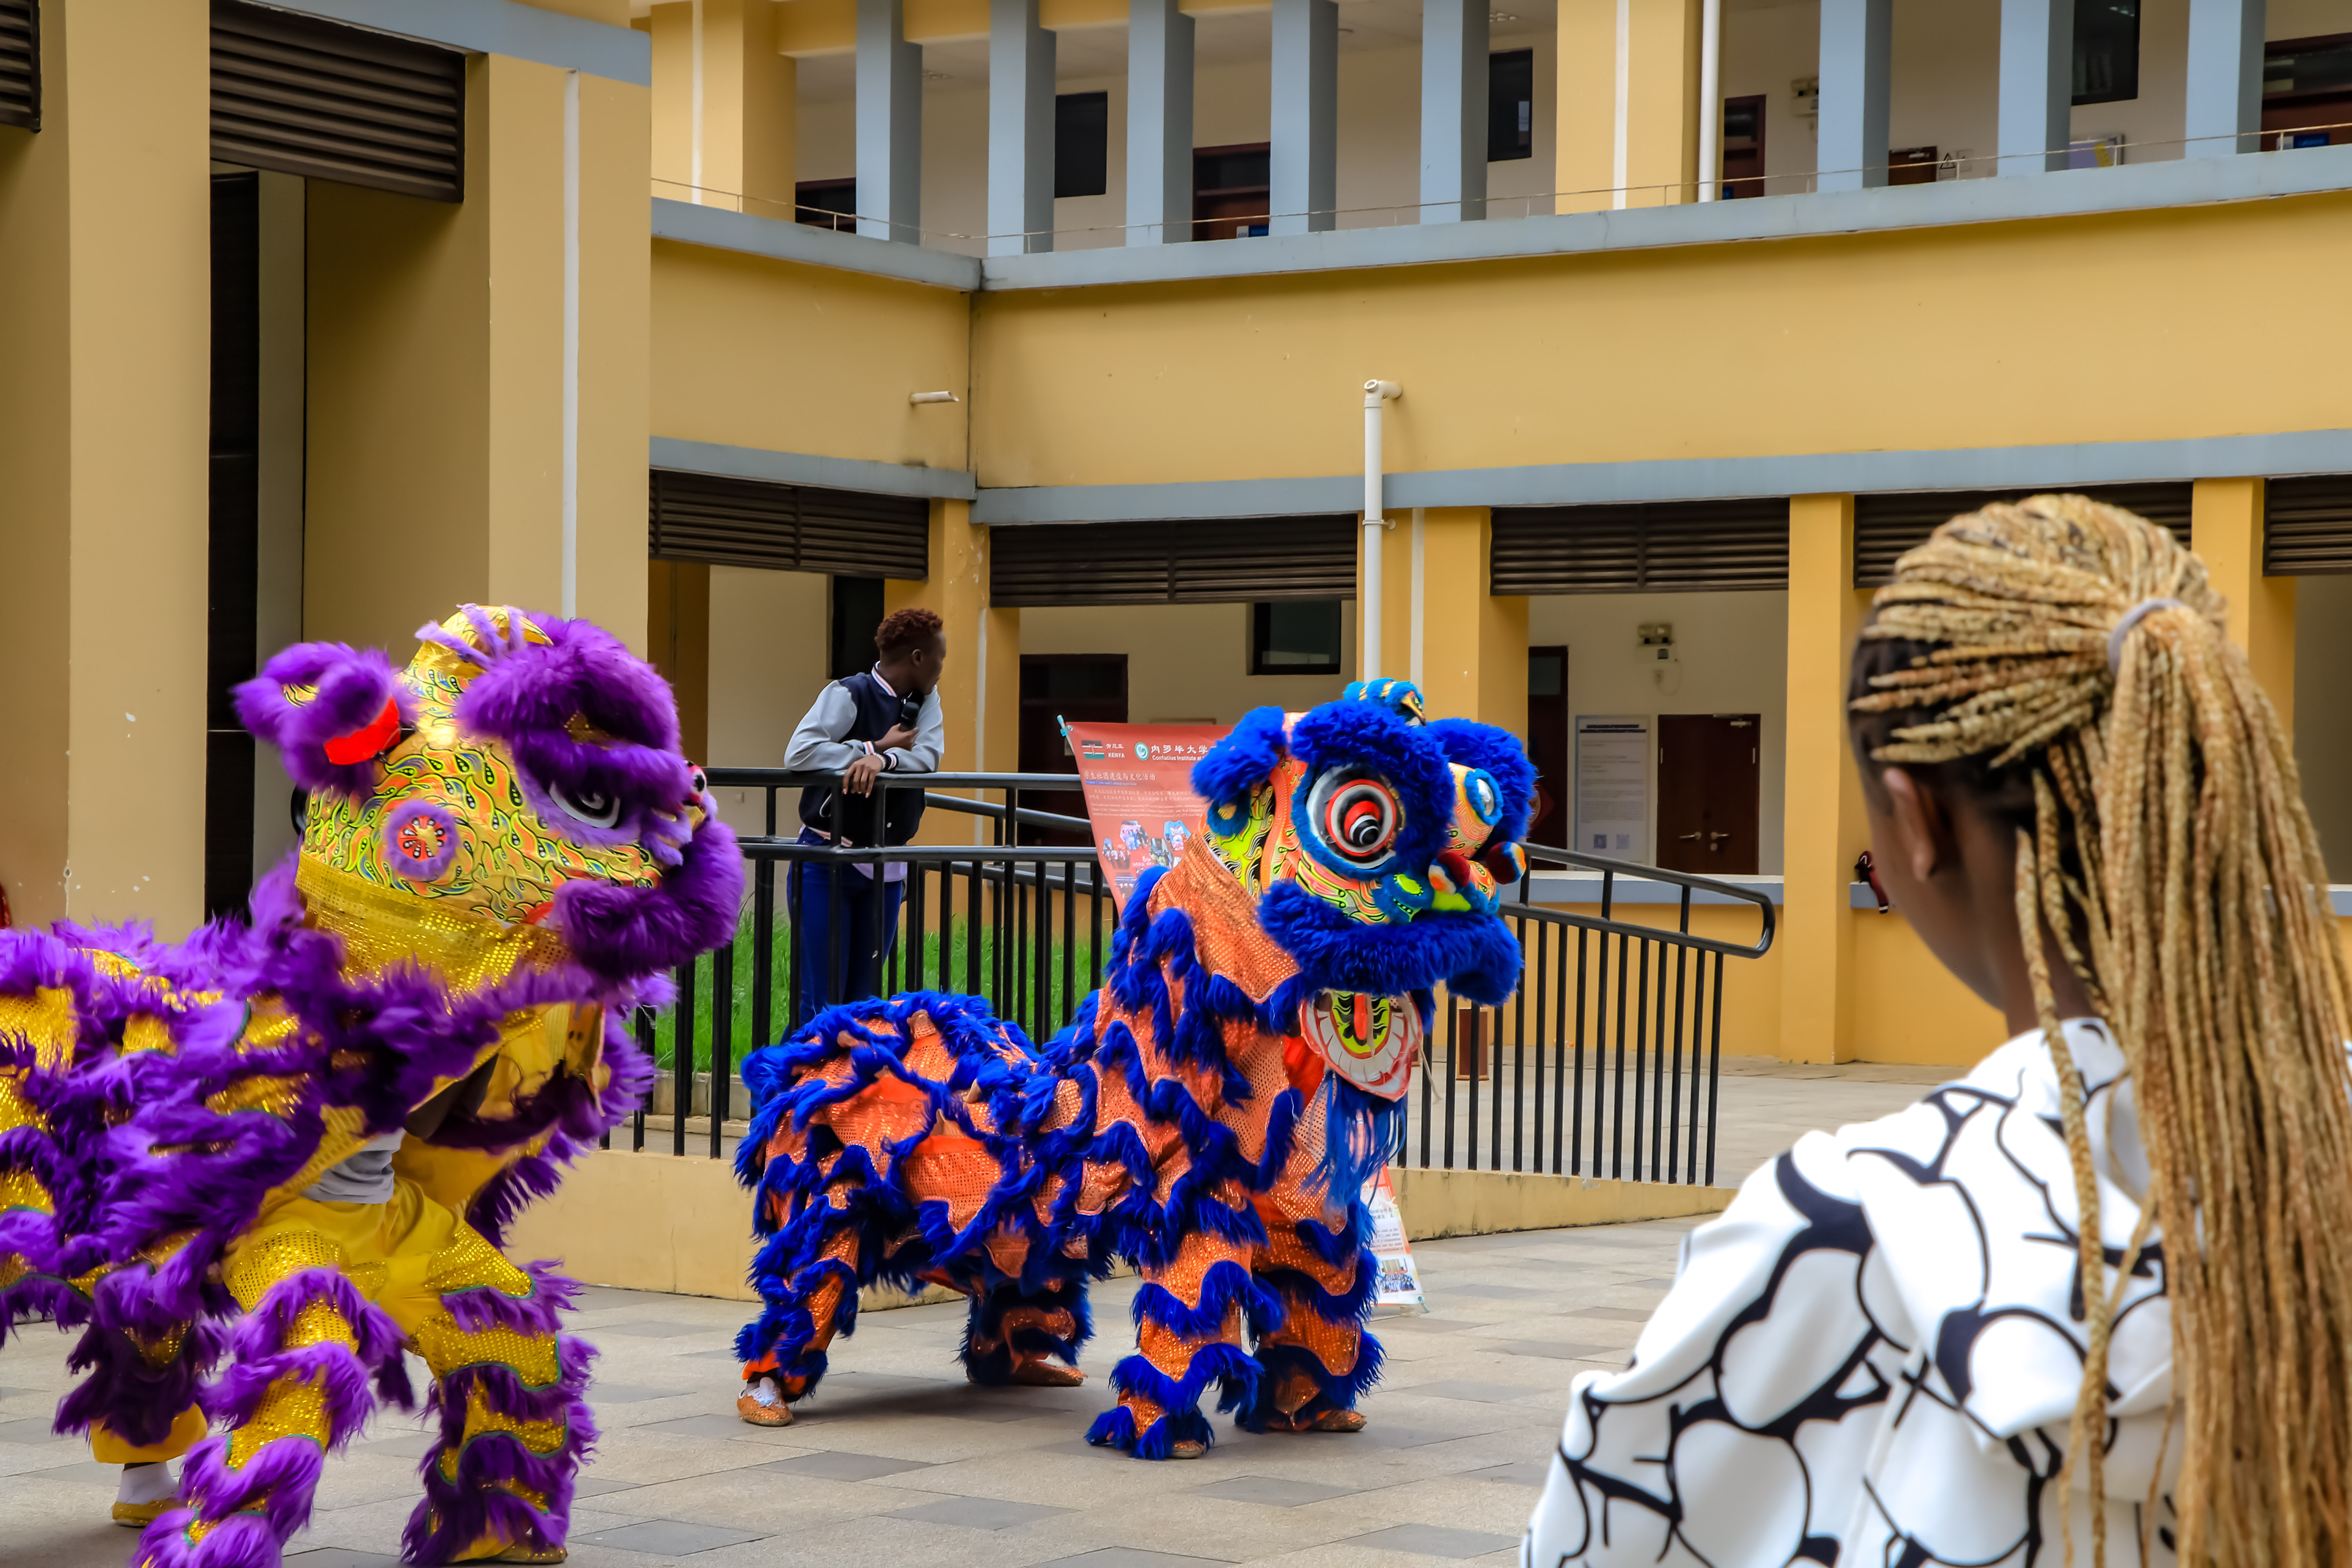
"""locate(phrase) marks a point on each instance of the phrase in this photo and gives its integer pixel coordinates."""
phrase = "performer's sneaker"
(1323, 1421)
(777, 1415)
(1187, 1448)
(140, 1515)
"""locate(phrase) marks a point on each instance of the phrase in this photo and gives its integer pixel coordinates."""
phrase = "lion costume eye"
(1359, 816)
(590, 807)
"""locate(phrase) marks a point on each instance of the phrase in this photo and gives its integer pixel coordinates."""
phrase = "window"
(1232, 190)
(1510, 105)
(827, 204)
(2106, 50)
(1295, 636)
(856, 617)
(1082, 143)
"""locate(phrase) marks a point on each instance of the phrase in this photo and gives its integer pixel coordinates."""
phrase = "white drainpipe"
(1710, 106)
(1369, 612)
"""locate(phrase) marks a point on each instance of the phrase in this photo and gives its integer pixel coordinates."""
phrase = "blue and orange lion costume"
(503, 850)
(1211, 1114)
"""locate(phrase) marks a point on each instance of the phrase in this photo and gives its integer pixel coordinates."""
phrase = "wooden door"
(1743, 147)
(1548, 744)
(1707, 792)
(1083, 688)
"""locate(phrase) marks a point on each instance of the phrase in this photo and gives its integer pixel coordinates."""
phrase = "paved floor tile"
(340, 1557)
(669, 1538)
(1432, 1540)
(1498, 1292)
(1562, 1349)
(1536, 1473)
(1130, 1557)
(1613, 1314)
(844, 1467)
(629, 1392)
(589, 1484)
(1431, 1324)
(1273, 1492)
(729, 1425)
(977, 1513)
(658, 1329)
(1476, 1393)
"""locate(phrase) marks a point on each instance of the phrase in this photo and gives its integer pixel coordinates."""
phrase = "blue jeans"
(808, 903)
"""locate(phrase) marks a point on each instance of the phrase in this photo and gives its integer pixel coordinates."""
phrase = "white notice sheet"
(1612, 786)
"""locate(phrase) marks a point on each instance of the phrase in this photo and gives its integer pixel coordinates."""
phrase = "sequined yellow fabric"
(23, 1190)
(253, 1269)
(470, 1262)
(380, 926)
(13, 1267)
(160, 1251)
(293, 1407)
(145, 1032)
(318, 1324)
(280, 1094)
(16, 1109)
(445, 1347)
(540, 1438)
(45, 1020)
(164, 1349)
(268, 1023)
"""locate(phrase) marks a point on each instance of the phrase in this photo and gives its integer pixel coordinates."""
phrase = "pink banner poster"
(1139, 783)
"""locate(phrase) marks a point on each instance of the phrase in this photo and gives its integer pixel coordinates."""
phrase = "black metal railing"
(1614, 1047)
(1610, 1062)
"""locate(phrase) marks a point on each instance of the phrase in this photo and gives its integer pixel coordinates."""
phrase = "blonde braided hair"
(2163, 849)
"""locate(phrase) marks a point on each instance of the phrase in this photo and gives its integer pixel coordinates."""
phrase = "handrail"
(1688, 881)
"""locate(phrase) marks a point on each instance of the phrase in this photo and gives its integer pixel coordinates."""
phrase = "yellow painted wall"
(105, 329)
(435, 348)
(1590, 359)
(753, 353)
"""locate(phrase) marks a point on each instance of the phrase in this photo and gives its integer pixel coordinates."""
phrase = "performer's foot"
(1323, 1421)
(140, 1515)
(1046, 1374)
(1187, 1448)
(762, 1403)
(490, 1550)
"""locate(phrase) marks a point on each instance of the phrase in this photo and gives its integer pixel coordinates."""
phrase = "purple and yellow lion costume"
(503, 851)
(1211, 1114)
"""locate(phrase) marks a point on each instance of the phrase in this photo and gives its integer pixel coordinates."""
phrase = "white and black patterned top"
(1873, 1356)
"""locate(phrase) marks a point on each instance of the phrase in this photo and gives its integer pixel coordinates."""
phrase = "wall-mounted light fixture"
(933, 397)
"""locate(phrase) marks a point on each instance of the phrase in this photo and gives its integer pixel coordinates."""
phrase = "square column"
(1305, 159)
(1453, 110)
(723, 106)
(2037, 85)
(2226, 517)
(1855, 36)
(979, 688)
(2225, 77)
(1823, 828)
(1628, 103)
(1465, 646)
(1158, 124)
(889, 124)
(1020, 130)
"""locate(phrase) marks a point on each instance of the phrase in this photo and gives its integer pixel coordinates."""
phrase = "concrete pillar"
(1158, 122)
(1465, 647)
(1855, 37)
(2225, 522)
(1305, 161)
(2225, 77)
(105, 308)
(889, 124)
(2037, 85)
(980, 690)
(436, 364)
(1453, 110)
(1628, 103)
(678, 642)
(723, 106)
(1823, 827)
(1020, 130)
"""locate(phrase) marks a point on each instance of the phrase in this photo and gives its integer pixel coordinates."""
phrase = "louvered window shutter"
(1660, 547)
(2307, 526)
(1887, 526)
(20, 63)
(789, 528)
(309, 97)
(1208, 560)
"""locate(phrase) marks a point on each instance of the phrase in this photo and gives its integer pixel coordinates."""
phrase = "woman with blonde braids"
(2095, 1299)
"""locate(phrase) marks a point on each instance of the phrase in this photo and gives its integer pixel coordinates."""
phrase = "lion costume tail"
(918, 1140)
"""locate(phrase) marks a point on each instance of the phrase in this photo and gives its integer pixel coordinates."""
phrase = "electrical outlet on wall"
(1657, 641)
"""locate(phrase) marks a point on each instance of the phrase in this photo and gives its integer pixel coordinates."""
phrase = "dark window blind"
(1887, 526)
(1208, 561)
(789, 528)
(2307, 526)
(20, 63)
(314, 98)
(1658, 547)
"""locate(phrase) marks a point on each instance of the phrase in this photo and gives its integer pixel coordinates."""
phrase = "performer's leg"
(297, 1389)
(139, 1406)
(1031, 1337)
(808, 1303)
(1190, 1314)
(511, 1391)
(1316, 1359)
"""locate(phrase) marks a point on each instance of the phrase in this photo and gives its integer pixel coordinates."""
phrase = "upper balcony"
(1064, 142)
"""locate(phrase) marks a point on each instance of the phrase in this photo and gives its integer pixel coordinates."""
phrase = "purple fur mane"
(351, 687)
